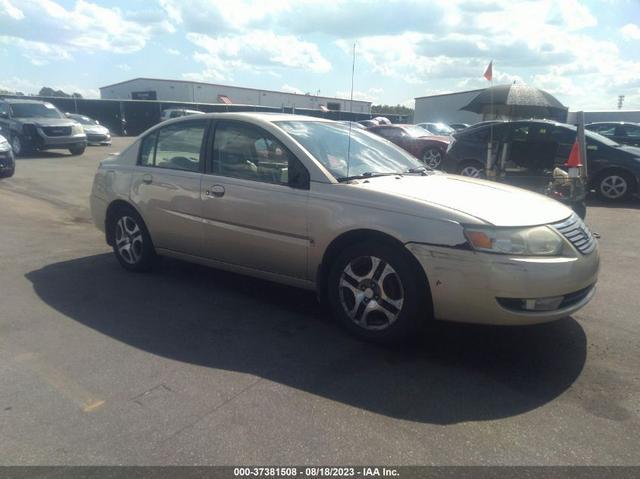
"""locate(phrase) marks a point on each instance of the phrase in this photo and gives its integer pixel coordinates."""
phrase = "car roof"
(613, 123)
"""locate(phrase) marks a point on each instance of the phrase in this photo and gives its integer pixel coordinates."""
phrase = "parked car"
(425, 146)
(368, 123)
(7, 161)
(621, 132)
(354, 124)
(177, 112)
(536, 145)
(96, 133)
(439, 129)
(388, 244)
(459, 126)
(37, 125)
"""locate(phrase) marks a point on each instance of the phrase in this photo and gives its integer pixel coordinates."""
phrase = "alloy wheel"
(613, 187)
(129, 242)
(432, 158)
(472, 171)
(371, 293)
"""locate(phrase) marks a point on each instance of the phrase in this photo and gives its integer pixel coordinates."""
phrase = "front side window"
(243, 151)
(346, 155)
(175, 147)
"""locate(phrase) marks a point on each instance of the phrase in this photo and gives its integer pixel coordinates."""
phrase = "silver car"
(388, 244)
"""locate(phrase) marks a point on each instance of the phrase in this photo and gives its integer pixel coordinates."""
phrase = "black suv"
(531, 147)
(36, 125)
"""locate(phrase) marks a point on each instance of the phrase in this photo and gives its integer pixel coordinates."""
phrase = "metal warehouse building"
(446, 108)
(197, 92)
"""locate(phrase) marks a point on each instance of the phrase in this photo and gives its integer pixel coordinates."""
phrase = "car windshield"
(34, 110)
(441, 129)
(369, 155)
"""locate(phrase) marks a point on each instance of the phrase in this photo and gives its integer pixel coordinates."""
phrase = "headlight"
(4, 144)
(536, 241)
(77, 129)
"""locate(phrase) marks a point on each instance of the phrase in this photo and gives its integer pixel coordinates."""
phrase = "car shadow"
(630, 204)
(225, 321)
(45, 155)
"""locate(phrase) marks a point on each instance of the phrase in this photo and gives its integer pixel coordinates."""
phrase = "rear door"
(166, 185)
(254, 197)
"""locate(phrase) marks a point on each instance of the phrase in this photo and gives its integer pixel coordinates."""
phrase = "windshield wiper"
(366, 174)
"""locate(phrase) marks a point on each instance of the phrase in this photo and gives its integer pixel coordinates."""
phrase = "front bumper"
(44, 142)
(466, 285)
(98, 138)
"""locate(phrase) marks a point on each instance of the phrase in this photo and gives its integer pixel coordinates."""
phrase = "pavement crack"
(212, 411)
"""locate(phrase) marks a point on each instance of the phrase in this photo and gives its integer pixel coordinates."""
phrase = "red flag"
(488, 73)
(574, 157)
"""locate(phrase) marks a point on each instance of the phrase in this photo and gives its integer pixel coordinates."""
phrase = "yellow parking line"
(61, 382)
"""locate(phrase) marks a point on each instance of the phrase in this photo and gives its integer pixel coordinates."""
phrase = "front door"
(166, 185)
(254, 197)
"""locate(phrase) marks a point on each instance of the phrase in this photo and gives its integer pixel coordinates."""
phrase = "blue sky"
(585, 52)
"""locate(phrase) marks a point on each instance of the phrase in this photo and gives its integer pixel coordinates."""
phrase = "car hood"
(490, 202)
(47, 121)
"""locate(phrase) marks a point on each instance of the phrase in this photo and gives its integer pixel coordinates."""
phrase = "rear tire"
(77, 150)
(378, 293)
(472, 169)
(615, 185)
(132, 243)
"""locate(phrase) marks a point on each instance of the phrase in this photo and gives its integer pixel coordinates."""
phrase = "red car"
(428, 148)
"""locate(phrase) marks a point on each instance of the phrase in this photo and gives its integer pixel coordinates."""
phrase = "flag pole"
(489, 164)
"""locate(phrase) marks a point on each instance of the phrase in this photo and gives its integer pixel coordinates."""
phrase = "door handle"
(147, 179)
(216, 191)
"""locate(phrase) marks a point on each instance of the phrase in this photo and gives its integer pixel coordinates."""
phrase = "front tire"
(132, 243)
(378, 292)
(19, 145)
(77, 150)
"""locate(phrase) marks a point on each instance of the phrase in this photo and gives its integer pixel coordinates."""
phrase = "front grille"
(577, 233)
(57, 130)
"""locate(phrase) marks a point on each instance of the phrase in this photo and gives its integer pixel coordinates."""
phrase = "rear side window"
(175, 147)
(179, 145)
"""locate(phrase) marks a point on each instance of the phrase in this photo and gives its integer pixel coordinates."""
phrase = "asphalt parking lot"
(188, 365)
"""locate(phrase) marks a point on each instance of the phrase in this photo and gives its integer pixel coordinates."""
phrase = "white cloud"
(37, 53)
(291, 89)
(10, 10)
(29, 87)
(124, 67)
(44, 26)
(631, 31)
(173, 51)
(254, 51)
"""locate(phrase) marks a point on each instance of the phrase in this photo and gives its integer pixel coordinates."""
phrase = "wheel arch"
(351, 237)
(601, 173)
